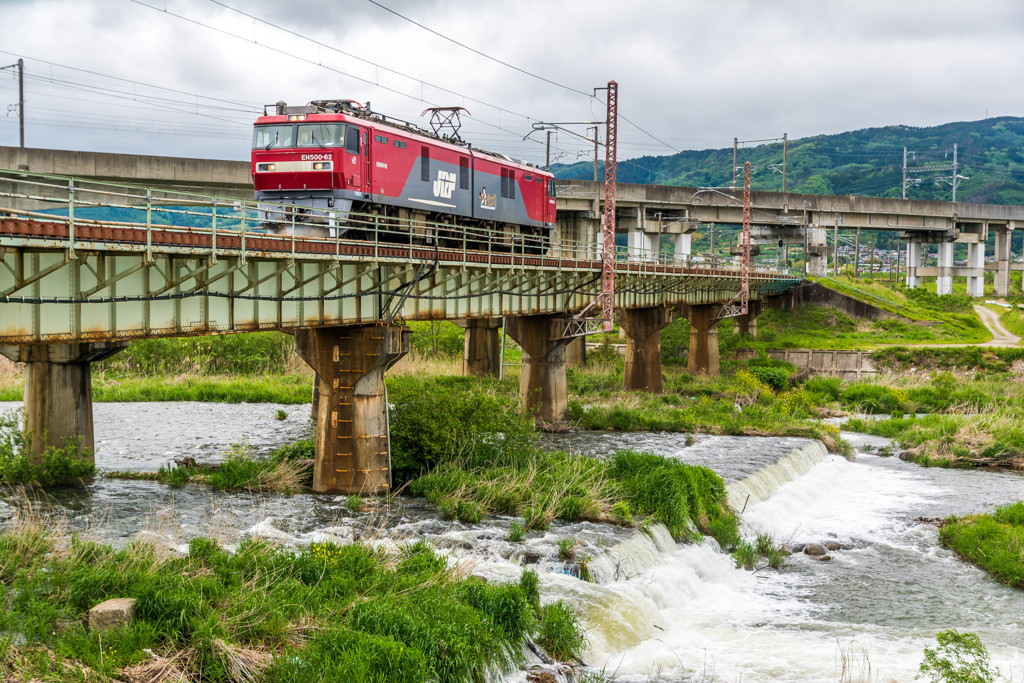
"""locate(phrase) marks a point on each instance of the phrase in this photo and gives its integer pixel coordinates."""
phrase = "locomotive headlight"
(322, 166)
(266, 167)
(297, 117)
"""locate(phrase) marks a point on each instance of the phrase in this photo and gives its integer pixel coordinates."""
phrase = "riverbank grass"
(989, 438)
(994, 542)
(56, 465)
(352, 612)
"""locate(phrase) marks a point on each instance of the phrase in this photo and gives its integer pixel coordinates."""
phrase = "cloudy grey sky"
(186, 77)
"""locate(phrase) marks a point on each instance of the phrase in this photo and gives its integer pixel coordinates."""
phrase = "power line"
(128, 80)
(471, 49)
(516, 68)
(420, 98)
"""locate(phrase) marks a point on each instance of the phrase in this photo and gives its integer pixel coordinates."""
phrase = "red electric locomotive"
(334, 157)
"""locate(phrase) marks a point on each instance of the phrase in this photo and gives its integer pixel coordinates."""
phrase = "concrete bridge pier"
(703, 354)
(944, 281)
(481, 356)
(542, 382)
(976, 266)
(353, 450)
(746, 325)
(913, 264)
(1001, 285)
(576, 353)
(643, 347)
(683, 248)
(816, 256)
(58, 392)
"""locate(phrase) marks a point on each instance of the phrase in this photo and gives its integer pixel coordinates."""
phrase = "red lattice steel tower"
(740, 304)
(608, 254)
(745, 290)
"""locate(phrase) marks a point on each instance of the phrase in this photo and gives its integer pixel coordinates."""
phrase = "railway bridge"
(87, 265)
(649, 213)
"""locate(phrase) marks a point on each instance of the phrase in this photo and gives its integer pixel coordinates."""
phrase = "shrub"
(958, 658)
(776, 378)
(560, 633)
(56, 465)
(440, 418)
(516, 532)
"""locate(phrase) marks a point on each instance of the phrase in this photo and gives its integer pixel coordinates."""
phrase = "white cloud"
(693, 73)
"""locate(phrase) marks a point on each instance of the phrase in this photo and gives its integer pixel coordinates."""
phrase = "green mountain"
(861, 162)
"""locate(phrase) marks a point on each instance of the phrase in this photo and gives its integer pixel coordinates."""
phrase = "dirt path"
(1001, 337)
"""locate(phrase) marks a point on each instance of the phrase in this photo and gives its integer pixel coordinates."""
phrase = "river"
(684, 612)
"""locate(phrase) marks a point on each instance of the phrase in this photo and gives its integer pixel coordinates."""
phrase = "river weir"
(654, 607)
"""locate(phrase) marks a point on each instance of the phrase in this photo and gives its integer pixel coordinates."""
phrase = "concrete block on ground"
(113, 613)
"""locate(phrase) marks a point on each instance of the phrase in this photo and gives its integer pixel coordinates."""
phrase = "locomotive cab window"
(320, 135)
(352, 140)
(269, 137)
(551, 186)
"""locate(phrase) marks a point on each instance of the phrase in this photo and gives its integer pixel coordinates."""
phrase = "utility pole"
(904, 172)
(856, 255)
(735, 148)
(954, 182)
(595, 154)
(20, 66)
(874, 246)
(547, 162)
(785, 146)
(835, 244)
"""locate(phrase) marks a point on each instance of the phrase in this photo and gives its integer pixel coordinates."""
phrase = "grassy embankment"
(993, 542)
(818, 327)
(968, 421)
(261, 613)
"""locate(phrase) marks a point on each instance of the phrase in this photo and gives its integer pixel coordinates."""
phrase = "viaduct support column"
(1001, 286)
(703, 355)
(913, 263)
(746, 325)
(816, 250)
(643, 347)
(944, 282)
(976, 261)
(542, 382)
(58, 392)
(482, 353)
(353, 450)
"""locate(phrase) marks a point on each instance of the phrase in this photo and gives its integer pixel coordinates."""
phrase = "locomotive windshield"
(321, 135)
(268, 137)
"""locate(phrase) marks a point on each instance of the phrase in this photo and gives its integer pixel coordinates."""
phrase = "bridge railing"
(154, 213)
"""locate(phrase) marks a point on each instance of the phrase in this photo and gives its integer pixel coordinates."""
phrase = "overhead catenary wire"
(516, 68)
(320, 64)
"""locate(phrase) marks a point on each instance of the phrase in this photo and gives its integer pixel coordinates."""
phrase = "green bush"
(829, 388)
(776, 378)
(958, 658)
(560, 634)
(56, 465)
(438, 419)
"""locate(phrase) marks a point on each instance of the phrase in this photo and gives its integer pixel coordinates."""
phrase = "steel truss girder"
(103, 295)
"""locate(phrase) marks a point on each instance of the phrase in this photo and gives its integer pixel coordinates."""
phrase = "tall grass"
(993, 542)
(331, 612)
